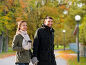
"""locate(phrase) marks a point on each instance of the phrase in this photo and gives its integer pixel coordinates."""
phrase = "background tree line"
(34, 12)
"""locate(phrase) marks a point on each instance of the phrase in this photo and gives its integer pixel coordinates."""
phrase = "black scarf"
(48, 28)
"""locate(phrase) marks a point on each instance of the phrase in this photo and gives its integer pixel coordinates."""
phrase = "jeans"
(22, 64)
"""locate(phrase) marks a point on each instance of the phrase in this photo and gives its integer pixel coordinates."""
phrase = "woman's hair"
(19, 25)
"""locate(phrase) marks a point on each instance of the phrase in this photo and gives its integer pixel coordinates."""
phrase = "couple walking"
(43, 44)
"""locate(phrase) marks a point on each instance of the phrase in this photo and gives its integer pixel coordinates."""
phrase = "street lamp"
(64, 38)
(36, 3)
(64, 31)
(65, 12)
(77, 18)
(80, 5)
(43, 3)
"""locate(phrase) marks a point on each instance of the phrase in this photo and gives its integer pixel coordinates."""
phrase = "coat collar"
(48, 28)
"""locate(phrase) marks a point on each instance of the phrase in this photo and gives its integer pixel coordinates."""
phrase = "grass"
(60, 47)
(72, 59)
(6, 54)
(66, 52)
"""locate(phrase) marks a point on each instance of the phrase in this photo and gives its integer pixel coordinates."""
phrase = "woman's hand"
(28, 46)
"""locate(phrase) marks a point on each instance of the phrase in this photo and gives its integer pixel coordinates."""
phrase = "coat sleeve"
(36, 43)
(15, 42)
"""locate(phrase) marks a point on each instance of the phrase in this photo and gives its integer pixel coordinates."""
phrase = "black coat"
(43, 46)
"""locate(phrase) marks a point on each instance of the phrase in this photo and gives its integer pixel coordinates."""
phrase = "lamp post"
(77, 19)
(64, 38)
(36, 3)
(43, 3)
(65, 12)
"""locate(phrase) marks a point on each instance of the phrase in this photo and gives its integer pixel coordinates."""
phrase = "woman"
(22, 44)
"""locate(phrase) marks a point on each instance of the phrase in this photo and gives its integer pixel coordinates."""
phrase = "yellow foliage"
(6, 22)
(50, 10)
(7, 18)
(18, 18)
(23, 4)
(63, 7)
(62, 20)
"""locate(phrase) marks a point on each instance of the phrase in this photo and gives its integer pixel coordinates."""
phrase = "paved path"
(8, 61)
(11, 60)
(61, 61)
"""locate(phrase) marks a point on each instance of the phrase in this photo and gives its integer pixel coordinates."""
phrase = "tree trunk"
(57, 45)
(1, 43)
(6, 44)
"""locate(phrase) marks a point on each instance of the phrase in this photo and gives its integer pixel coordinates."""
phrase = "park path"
(11, 60)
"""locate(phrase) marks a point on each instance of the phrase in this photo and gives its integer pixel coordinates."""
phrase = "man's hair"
(48, 17)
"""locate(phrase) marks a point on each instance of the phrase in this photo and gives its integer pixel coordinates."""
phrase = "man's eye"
(49, 21)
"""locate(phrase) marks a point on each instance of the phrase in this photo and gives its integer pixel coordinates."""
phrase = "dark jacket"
(22, 56)
(43, 46)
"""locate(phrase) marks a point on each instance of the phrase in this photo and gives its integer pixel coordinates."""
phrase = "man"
(43, 45)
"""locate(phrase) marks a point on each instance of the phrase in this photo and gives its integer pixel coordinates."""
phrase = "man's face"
(48, 22)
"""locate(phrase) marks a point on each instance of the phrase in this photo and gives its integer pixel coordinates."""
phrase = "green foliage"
(74, 61)
(12, 11)
(83, 31)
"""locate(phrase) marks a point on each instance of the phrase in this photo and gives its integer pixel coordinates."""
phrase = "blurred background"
(34, 11)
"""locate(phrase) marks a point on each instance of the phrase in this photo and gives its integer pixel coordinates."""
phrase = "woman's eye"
(24, 25)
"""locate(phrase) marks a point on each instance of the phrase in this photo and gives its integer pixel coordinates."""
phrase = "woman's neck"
(23, 31)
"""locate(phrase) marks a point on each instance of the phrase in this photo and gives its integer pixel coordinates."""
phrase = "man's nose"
(51, 23)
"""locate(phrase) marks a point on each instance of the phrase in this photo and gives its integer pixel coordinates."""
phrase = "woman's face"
(23, 26)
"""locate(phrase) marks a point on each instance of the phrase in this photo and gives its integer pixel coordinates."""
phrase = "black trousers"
(22, 64)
